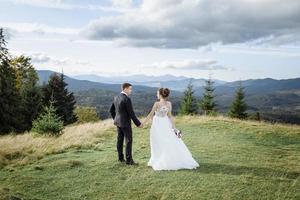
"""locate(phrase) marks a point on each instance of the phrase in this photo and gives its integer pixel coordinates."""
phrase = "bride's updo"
(164, 92)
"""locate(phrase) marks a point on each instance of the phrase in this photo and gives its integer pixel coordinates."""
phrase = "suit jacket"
(122, 112)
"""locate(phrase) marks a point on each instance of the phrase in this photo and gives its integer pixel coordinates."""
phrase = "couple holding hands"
(168, 151)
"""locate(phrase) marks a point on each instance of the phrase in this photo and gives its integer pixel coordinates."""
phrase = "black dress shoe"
(131, 162)
(121, 160)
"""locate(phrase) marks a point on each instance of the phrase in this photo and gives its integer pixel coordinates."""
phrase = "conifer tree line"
(207, 104)
(22, 100)
(24, 104)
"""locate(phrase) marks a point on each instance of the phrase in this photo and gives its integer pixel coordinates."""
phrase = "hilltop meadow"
(238, 160)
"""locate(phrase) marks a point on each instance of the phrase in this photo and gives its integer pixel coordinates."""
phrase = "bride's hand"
(144, 122)
(145, 125)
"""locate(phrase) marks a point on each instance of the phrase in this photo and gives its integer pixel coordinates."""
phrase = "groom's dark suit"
(122, 112)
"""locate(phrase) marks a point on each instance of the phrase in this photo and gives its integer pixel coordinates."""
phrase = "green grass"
(238, 160)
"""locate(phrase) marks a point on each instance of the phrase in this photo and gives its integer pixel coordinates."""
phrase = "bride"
(168, 151)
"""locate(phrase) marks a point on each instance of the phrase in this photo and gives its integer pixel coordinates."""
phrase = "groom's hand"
(141, 125)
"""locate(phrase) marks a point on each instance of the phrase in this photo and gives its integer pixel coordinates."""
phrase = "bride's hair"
(164, 92)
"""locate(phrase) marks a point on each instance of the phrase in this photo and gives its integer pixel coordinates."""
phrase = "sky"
(227, 39)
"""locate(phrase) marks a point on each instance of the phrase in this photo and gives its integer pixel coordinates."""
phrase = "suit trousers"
(124, 132)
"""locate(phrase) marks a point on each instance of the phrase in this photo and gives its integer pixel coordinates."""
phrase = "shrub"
(255, 116)
(86, 114)
(213, 113)
(48, 122)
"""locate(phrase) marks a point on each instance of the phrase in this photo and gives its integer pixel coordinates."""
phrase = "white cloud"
(252, 49)
(37, 28)
(116, 5)
(39, 58)
(205, 65)
(42, 58)
(195, 23)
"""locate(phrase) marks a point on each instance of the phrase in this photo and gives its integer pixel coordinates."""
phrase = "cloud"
(283, 51)
(115, 5)
(39, 58)
(196, 23)
(202, 65)
(35, 31)
(42, 58)
(37, 28)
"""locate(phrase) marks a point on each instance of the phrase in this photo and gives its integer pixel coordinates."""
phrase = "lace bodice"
(162, 111)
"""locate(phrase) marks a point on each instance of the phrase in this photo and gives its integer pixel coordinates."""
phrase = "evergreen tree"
(188, 104)
(238, 107)
(48, 121)
(27, 84)
(3, 49)
(207, 102)
(9, 96)
(64, 100)
(257, 116)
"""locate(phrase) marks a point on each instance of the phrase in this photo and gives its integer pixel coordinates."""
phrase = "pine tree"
(48, 121)
(257, 116)
(238, 107)
(27, 84)
(10, 99)
(207, 102)
(3, 49)
(188, 103)
(64, 100)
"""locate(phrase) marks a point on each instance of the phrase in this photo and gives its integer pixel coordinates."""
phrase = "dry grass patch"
(21, 149)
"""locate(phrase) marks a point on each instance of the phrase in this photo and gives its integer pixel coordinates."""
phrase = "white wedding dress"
(168, 152)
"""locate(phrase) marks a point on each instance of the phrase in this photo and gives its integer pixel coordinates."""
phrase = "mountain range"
(76, 85)
(178, 83)
(151, 83)
(276, 100)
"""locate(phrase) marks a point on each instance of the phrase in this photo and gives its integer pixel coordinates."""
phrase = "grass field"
(238, 160)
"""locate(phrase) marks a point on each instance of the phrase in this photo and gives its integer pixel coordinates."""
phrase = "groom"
(122, 112)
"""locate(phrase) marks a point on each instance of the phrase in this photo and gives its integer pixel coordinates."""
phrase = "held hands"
(141, 125)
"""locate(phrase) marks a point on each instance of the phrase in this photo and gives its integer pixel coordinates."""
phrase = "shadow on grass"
(243, 170)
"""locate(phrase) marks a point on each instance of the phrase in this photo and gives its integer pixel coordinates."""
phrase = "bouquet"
(177, 132)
